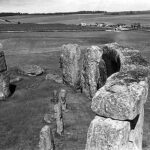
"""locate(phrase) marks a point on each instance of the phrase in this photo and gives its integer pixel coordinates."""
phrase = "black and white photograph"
(74, 75)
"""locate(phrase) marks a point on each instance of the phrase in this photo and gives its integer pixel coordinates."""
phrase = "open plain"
(21, 115)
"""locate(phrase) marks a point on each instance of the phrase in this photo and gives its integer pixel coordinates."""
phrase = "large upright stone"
(90, 75)
(107, 134)
(4, 86)
(122, 97)
(71, 64)
(46, 139)
(1, 45)
(3, 66)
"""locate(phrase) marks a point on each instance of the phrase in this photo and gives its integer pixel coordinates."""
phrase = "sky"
(51, 6)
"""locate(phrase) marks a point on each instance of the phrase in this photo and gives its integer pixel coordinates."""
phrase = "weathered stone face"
(136, 133)
(120, 99)
(4, 86)
(54, 77)
(70, 68)
(46, 139)
(3, 66)
(31, 70)
(90, 74)
(107, 134)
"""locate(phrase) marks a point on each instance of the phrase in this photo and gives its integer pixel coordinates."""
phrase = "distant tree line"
(12, 14)
(78, 12)
(128, 13)
(58, 13)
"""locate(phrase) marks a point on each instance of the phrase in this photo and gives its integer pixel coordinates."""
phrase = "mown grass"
(21, 116)
(77, 19)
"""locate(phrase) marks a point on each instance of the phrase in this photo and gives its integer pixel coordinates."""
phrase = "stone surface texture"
(31, 70)
(90, 74)
(71, 66)
(107, 134)
(54, 77)
(3, 66)
(46, 139)
(116, 79)
(4, 86)
(119, 104)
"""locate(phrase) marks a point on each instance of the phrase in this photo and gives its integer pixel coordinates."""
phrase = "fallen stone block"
(31, 70)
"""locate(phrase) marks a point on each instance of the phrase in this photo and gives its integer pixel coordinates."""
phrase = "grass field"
(21, 116)
(77, 19)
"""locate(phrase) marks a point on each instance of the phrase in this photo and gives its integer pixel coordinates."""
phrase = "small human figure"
(62, 99)
(59, 117)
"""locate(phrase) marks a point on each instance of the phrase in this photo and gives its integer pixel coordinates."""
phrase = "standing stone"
(3, 66)
(61, 60)
(107, 134)
(1, 45)
(4, 86)
(103, 74)
(71, 65)
(59, 118)
(62, 99)
(46, 139)
(55, 96)
(90, 74)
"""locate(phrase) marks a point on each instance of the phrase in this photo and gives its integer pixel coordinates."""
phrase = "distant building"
(121, 25)
(83, 24)
(101, 25)
(136, 26)
(93, 24)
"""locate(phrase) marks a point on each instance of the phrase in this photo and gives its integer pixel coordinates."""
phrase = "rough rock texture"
(31, 70)
(4, 86)
(96, 64)
(54, 96)
(1, 45)
(71, 64)
(48, 118)
(136, 133)
(107, 134)
(62, 99)
(16, 79)
(90, 74)
(120, 102)
(46, 139)
(120, 99)
(129, 58)
(59, 118)
(3, 66)
(54, 77)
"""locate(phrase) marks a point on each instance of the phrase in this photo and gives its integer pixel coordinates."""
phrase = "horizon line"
(102, 11)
